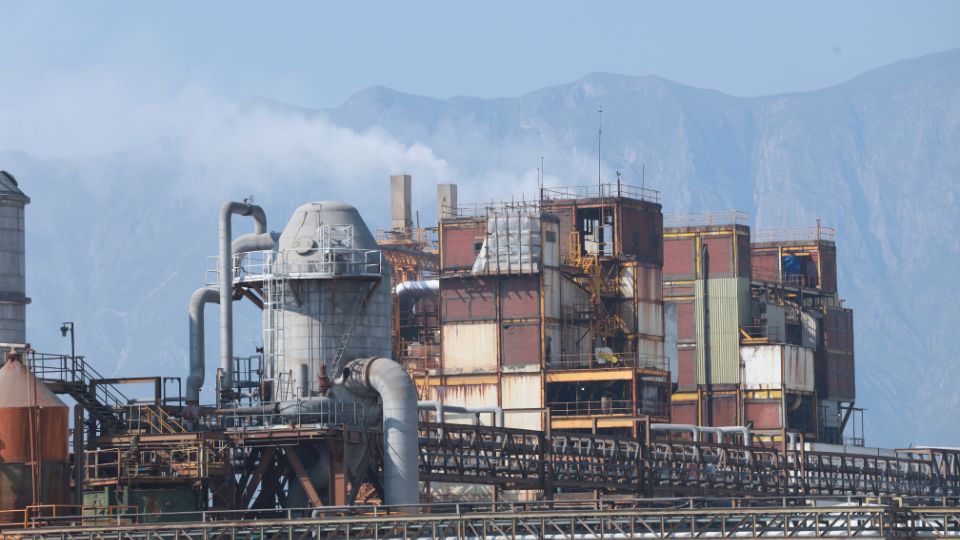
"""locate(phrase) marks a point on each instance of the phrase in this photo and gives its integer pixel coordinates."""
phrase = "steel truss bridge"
(587, 520)
(522, 459)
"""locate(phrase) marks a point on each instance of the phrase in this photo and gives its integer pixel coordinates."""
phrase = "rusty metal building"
(762, 337)
(552, 311)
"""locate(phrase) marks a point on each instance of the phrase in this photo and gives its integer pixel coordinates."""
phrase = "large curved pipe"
(441, 410)
(742, 430)
(427, 287)
(227, 211)
(255, 242)
(401, 466)
(694, 430)
(200, 298)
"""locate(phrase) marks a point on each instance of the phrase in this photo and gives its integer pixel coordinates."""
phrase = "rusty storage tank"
(34, 433)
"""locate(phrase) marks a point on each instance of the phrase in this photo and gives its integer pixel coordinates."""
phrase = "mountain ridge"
(118, 241)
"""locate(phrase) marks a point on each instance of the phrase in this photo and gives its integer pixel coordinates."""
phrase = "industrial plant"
(575, 364)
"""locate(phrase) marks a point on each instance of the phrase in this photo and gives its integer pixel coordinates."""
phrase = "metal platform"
(587, 521)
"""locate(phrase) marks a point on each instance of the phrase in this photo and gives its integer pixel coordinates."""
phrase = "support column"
(78, 456)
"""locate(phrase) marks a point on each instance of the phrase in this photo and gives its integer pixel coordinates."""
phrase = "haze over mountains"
(117, 242)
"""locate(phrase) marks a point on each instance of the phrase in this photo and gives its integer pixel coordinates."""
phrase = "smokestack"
(400, 202)
(446, 201)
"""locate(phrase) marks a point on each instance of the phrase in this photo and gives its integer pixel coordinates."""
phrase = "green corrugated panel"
(729, 307)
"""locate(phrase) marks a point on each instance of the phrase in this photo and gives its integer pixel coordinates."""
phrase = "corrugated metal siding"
(553, 343)
(520, 297)
(522, 392)
(729, 308)
(470, 347)
(468, 299)
(520, 343)
(552, 293)
(775, 367)
(469, 395)
(650, 318)
(551, 242)
(670, 337)
(678, 257)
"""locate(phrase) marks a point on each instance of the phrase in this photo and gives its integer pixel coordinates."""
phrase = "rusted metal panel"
(522, 391)
(678, 257)
(765, 265)
(686, 322)
(743, 260)
(16, 487)
(565, 215)
(828, 268)
(650, 353)
(641, 281)
(718, 337)
(763, 414)
(838, 330)
(552, 343)
(720, 250)
(723, 410)
(641, 232)
(520, 297)
(683, 412)
(468, 299)
(841, 382)
(687, 367)
(776, 367)
(520, 343)
(461, 243)
(469, 347)
(552, 293)
(650, 318)
(469, 395)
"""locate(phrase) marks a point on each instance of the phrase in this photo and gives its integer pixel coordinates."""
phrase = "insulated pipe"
(496, 411)
(198, 300)
(717, 432)
(427, 287)
(226, 277)
(255, 242)
(694, 430)
(742, 430)
(401, 467)
(792, 438)
(432, 404)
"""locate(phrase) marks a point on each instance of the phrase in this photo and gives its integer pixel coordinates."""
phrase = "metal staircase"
(104, 402)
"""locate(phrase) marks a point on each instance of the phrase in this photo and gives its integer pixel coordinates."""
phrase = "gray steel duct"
(441, 410)
(401, 467)
(200, 298)
(427, 287)
(742, 430)
(255, 242)
(227, 211)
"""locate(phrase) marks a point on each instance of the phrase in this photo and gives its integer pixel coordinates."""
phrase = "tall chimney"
(400, 202)
(446, 201)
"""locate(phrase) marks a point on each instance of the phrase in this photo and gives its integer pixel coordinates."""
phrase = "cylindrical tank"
(328, 261)
(34, 433)
(13, 299)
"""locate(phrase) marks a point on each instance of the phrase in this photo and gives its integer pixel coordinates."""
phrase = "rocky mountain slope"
(118, 242)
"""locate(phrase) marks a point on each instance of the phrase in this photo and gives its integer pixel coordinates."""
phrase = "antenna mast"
(599, 139)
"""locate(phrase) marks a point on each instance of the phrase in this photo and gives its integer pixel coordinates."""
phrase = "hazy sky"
(317, 54)
(142, 70)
